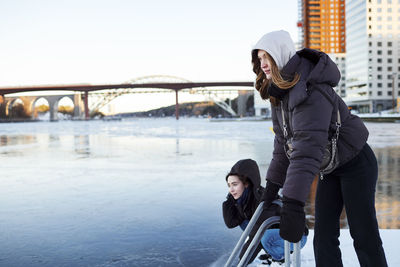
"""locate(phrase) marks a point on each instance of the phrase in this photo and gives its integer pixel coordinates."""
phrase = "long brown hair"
(262, 83)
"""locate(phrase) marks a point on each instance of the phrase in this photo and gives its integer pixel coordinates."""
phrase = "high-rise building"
(372, 56)
(340, 60)
(322, 25)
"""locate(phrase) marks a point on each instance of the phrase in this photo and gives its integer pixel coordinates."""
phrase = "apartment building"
(372, 56)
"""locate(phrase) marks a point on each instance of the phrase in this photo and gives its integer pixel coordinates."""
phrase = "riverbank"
(380, 117)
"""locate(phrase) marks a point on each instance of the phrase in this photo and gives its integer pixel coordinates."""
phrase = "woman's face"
(236, 187)
(265, 63)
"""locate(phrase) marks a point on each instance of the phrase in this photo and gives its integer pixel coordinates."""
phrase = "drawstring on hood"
(278, 45)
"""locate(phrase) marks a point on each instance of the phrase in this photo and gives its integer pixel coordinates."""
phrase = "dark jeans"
(352, 186)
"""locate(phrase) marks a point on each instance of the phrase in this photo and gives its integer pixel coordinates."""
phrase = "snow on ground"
(389, 237)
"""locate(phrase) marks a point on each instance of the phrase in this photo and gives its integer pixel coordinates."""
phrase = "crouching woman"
(244, 195)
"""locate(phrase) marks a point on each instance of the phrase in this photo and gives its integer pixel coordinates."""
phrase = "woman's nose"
(263, 61)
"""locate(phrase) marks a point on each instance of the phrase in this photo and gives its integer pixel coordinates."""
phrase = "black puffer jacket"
(235, 214)
(310, 107)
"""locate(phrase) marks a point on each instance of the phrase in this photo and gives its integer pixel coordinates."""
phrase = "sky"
(97, 42)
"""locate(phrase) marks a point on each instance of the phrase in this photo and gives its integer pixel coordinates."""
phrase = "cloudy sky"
(97, 41)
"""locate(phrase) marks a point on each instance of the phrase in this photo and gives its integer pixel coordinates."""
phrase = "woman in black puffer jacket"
(306, 116)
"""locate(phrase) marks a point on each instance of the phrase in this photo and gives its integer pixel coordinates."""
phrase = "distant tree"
(67, 110)
(42, 108)
(95, 114)
(18, 112)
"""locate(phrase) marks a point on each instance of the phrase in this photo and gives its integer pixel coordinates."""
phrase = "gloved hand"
(270, 194)
(293, 220)
(230, 198)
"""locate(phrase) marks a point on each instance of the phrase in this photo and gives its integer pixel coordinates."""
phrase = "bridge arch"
(34, 109)
(111, 94)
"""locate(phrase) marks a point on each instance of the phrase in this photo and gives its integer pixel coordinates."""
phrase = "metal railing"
(257, 238)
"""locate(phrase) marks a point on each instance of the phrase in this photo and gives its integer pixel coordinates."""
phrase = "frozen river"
(143, 192)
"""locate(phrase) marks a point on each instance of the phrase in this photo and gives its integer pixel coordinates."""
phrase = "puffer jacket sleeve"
(310, 125)
(278, 166)
(230, 212)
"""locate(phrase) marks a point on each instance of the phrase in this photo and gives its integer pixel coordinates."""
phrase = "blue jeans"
(273, 243)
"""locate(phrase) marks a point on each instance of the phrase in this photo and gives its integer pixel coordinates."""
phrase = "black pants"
(351, 185)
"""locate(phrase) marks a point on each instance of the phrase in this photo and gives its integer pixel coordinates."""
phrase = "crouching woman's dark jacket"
(310, 108)
(234, 214)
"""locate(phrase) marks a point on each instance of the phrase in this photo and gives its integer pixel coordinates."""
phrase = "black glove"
(293, 220)
(230, 198)
(270, 194)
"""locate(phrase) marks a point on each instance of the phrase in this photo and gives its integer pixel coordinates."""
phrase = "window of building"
(389, 68)
(369, 10)
(389, 10)
(379, 68)
(389, 52)
(389, 76)
(379, 85)
(379, 18)
(369, 44)
(389, 44)
(379, 77)
(379, 43)
(370, 92)
(379, 60)
(379, 27)
(398, 93)
(379, 52)
(379, 92)
(389, 1)
(369, 18)
(389, 85)
(389, 93)
(389, 60)
(379, 10)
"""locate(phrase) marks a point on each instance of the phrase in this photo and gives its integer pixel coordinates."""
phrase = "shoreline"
(387, 119)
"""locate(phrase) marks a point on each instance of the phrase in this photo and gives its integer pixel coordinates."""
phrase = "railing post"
(287, 253)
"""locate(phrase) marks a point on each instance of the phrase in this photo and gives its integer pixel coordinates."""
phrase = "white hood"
(279, 45)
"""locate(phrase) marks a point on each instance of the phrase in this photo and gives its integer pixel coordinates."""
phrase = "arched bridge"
(114, 90)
